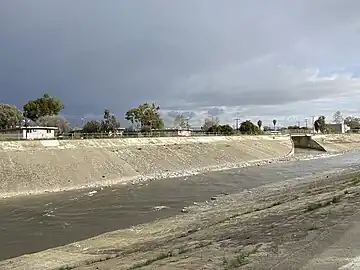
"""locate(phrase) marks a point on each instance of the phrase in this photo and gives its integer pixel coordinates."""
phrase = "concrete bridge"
(306, 141)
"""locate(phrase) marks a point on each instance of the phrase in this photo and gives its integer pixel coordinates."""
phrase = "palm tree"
(274, 122)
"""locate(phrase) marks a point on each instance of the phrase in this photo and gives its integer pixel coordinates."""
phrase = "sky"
(248, 59)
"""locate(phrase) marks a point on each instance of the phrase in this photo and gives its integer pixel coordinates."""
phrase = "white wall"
(39, 134)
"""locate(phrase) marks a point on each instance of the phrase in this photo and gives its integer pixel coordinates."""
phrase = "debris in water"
(91, 193)
(160, 207)
(184, 210)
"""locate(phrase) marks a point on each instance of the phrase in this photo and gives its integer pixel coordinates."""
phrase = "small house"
(28, 133)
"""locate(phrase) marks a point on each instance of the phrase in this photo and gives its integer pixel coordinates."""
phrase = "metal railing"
(82, 136)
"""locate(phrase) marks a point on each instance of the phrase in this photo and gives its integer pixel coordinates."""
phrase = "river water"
(35, 223)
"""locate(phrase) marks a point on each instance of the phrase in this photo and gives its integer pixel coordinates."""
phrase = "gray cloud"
(185, 55)
(215, 111)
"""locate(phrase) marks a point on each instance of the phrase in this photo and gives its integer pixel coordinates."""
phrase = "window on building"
(28, 130)
(49, 131)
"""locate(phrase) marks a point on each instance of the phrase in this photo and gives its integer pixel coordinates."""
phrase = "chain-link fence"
(136, 135)
(11, 137)
(81, 136)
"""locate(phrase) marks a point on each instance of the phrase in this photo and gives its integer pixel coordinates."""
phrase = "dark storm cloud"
(117, 54)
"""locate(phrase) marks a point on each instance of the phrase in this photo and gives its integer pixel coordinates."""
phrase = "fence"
(134, 135)
(80, 136)
(10, 136)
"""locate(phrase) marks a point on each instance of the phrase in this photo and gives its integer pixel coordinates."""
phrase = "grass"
(240, 258)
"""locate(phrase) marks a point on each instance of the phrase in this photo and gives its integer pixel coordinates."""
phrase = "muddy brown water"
(34, 223)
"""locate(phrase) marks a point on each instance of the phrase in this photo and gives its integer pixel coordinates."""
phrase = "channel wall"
(338, 142)
(29, 167)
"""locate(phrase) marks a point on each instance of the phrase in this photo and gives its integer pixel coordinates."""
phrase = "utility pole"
(237, 123)
(306, 123)
(313, 123)
(298, 123)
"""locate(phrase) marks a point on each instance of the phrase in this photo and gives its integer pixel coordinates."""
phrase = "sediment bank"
(29, 167)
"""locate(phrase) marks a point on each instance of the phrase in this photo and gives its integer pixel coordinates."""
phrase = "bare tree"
(181, 122)
(54, 121)
(210, 122)
(338, 117)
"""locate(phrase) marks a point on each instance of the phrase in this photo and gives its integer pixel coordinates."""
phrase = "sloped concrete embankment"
(338, 142)
(306, 142)
(50, 165)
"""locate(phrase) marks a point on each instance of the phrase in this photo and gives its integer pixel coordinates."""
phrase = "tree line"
(45, 110)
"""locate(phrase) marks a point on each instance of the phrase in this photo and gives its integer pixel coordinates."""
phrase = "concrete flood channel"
(34, 223)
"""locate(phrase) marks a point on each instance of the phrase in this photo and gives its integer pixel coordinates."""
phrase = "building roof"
(36, 127)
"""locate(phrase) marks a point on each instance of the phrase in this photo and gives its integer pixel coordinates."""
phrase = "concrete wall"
(304, 141)
(51, 165)
(338, 142)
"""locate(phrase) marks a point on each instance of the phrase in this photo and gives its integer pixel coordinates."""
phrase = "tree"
(44, 106)
(352, 122)
(226, 130)
(145, 116)
(10, 116)
(181, 122)
(110, 123)
(210, 122)
(54, 121)
(322, 123)
(317, 126)
(92, 126)
(338, 117)
(274, 123)
(221, 129)
(247, 127)
(259, 123)
(267, 128)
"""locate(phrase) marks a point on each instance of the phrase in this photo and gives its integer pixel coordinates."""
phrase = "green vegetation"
(240, 258)
(146, 117)
(10, 116)
(247, 127)
(45, 110)
(44, 106)
(92, 126)
(320, 124)
(109, 124)
(221, 129)
(210, 122)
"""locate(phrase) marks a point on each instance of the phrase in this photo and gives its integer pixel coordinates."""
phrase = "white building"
(28, 133)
